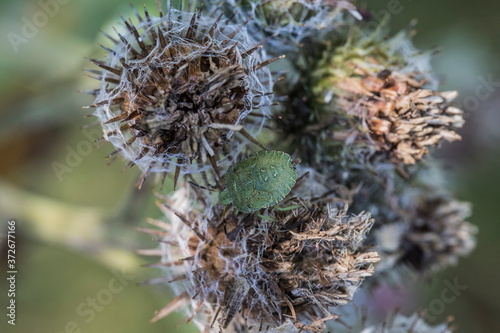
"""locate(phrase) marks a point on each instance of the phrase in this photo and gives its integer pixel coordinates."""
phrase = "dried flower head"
(428, 235)
(175, 88)
(242, 268)
(365, 100)
(438, 234)
(396, 323)
(395, 116)
(382, 93)
(178, 94)
(292, 20)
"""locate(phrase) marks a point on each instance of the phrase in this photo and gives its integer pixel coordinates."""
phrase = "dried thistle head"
(293, 21)
(397, 323)
(175, 88)
(364, 102)
(382, 91)
(394, 116)
(428, 235)
(242, 268)
(438, 234)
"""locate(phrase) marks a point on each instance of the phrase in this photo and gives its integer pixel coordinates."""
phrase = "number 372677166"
(11, 244)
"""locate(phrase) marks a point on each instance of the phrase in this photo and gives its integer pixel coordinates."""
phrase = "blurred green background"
(76, 230)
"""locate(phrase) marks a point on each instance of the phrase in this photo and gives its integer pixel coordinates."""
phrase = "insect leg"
(234, 301)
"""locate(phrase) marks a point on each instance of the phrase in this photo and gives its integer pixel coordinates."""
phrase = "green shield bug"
(261, 180)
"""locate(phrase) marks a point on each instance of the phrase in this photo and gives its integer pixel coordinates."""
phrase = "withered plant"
(175, 89)
(188, 92)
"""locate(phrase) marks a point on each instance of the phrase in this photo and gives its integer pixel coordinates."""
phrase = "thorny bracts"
(383, 90)
(178, 94)
(395, 117)
(394, 323)
(175, 88)
(366, 102)
(290, 22)
(309, 260)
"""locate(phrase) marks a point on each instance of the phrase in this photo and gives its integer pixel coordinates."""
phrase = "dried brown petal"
(402, 118)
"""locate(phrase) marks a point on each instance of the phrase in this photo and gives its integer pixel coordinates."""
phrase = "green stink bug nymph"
(259, 181)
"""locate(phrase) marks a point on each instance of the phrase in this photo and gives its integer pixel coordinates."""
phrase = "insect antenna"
(233, 233)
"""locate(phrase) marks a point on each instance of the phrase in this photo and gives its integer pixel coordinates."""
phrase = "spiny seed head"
(262, 272)
(175, 88)
(293, 20)
(438, 234)
(427, 233)
(365, 101)
(395, 117)
(382, 92)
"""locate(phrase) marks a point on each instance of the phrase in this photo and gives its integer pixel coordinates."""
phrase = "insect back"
(261, 180)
